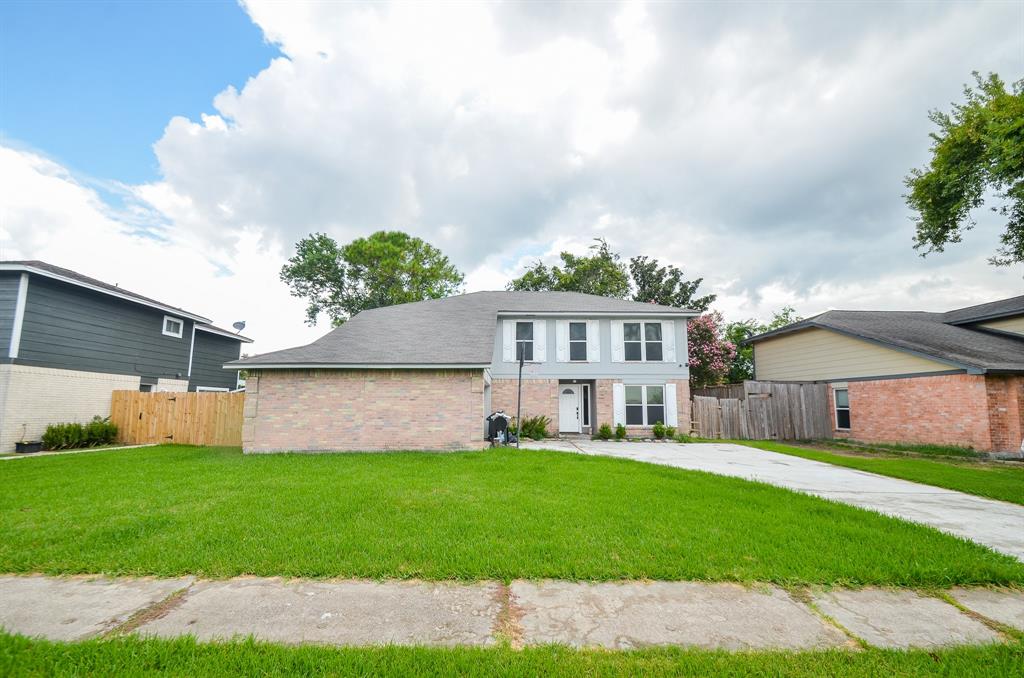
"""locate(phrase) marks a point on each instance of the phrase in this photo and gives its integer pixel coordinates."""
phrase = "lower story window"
(842, 397)
(645, 405)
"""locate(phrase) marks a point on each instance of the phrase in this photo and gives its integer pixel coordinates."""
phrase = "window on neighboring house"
(645, 405)
(842, 397)
(578, 341)
(642, 342)
(524, 340)
(173, 326)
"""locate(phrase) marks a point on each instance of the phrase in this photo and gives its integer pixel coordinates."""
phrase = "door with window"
(569, 408)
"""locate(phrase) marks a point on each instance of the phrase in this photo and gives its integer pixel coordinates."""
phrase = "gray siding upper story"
(70, 327)
(8, 302)
(605, 368)
(209, 355)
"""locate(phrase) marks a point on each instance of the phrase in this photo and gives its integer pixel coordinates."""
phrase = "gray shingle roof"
(994, 309)
(93, 282)
(927, 334)
(457, 330)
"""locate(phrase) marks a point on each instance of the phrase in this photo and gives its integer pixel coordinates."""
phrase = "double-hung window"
(642, 342)
(578, 342)
(645, 405)
(524, 340)
(842, 398)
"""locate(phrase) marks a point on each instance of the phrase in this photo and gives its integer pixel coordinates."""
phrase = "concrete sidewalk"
(996, 524)
(613, 615)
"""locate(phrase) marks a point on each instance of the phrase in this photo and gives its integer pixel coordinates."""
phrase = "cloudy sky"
(180, 149)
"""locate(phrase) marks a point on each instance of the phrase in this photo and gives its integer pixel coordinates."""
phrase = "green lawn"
(994, 480)
(504, 514)
(184, 657)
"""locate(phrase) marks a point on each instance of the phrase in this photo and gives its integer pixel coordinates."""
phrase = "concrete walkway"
(996, 524)
(613, 615)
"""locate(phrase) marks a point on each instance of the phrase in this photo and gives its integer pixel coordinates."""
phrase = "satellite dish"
(240, 325)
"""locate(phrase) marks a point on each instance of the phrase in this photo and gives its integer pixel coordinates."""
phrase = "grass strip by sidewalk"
(1003, 481)
(506, 514)
(20, 657)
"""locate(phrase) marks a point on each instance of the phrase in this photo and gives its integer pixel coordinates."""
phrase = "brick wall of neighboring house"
(979, 411)
(33, 397)
(1006, 411)
(350, 410)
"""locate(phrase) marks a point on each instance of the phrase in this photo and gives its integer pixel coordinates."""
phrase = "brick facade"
(540, 396)
(985, 412)
(348, 410)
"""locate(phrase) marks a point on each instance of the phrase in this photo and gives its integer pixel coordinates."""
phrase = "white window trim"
(643, 403)
(218, 389)
(836, 408)
(181, 327)
(643, 341)
(569, 341)
(531, 341)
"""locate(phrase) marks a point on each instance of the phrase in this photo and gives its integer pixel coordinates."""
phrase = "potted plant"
(25, 446)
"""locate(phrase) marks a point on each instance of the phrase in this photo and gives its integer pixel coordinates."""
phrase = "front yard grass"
(184, 657)
(995, 480)
(505, 514)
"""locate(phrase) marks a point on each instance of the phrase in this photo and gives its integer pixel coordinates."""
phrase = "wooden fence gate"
(767, 411)
(206, 418)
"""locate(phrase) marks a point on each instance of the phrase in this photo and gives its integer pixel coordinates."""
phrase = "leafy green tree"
(979, 146)
(601, 273)
(742, 365)
(665, 285)
(386, 268)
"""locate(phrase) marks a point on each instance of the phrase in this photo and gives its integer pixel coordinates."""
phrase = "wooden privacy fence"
(767, 411)
(207, 418)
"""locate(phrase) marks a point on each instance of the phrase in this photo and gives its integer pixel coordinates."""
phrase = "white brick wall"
(32, 397)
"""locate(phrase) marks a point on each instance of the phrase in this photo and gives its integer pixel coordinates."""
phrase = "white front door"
(569, 420)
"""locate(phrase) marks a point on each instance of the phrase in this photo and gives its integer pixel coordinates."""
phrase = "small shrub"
(535, 428)
(604, 432)
(69, 436)
(670, 432)
(658, 430)
(620, 431)
(684, 438)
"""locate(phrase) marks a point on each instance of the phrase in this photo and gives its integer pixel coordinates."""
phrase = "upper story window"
(578, 341)
(524, 340)
(642, 341)
(173, 327)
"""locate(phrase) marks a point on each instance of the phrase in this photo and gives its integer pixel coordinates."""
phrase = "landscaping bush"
(620, 431)
(670, 432)
(658, 430)
(604, 432)
(535, 428)
(99, 431)
(684, 438)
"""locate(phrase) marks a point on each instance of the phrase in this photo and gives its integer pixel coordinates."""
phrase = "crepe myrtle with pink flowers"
(710, 353)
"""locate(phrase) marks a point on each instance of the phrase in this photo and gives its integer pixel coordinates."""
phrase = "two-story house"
(67, 341)
(424, 375)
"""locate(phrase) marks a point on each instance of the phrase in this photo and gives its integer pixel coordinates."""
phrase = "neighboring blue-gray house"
(67, 341)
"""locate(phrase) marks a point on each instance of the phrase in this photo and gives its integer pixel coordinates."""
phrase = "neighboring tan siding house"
(67, 341)
(425, 375)
(953, 378)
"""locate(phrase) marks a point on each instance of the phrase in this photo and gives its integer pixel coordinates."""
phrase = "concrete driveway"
(996, 524)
